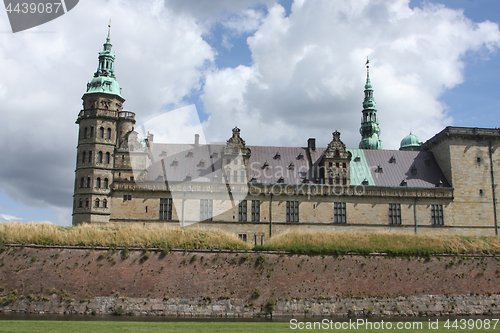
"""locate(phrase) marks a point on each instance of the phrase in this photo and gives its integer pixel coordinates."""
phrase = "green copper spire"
(370, 130)
(104, 80)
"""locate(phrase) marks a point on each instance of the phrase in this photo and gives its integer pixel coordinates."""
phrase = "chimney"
(196, 140)
(150, 137)
(311, 144)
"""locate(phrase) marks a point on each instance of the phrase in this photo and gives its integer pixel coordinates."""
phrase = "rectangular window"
(127, 197)
(437, 214)
(166, 209)
(242, 211)
(243, 177)
(292, 211)
(243, 237)
(394, 213)
(235, 176)
(255, 210)
(206, 207)
(339, 212)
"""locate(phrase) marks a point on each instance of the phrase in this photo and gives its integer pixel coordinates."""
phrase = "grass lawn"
(15, 326)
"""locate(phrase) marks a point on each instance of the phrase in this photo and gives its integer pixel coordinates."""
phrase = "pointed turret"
(104, 80)
(370, 130)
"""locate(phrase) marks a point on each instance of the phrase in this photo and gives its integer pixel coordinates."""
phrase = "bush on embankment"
(398, 244)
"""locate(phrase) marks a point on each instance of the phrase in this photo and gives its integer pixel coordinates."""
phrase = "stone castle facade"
(444, 185)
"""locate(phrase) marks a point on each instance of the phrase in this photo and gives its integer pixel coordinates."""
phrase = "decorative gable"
(336, 162)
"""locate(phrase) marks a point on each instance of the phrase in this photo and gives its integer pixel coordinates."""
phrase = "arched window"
(105, 203)
(105, 185)
(109, 133)
(87, 202)
(337, 179)
(90, 156)
(82, 182)
(91, 132)
(101, 132)
(97, 203)
(80, 203)
(99, 157)
(108, 157)
(85, 132)
(98, 182)
(88, 181)
(83, 157)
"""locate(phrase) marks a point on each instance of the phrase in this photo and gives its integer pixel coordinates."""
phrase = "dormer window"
(291, 166)
(281, 180)
(357, 159)
(440, 184)
(300, 156)
(215, 155)
(189, 154)
(175, 163)
(364, 182)
(201, 164)
(379, 169)
(188, 178)
(306, 180)
(265, 165)
(163, 153)
(277, 156)
(393, 159)
(403, 183)
(253, 179)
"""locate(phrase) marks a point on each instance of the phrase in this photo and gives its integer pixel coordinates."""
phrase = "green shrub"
(193, 259)
(125, 252)
(256, 293)
(118, 311)
(261, 260)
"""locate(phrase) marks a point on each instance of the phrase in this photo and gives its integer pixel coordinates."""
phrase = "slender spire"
(104, 78)
(109, 31)
(370, 130)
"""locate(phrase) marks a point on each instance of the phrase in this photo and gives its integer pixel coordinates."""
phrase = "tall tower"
(101, 124)
(370, 130)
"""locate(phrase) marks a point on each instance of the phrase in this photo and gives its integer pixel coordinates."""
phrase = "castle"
(445, 185)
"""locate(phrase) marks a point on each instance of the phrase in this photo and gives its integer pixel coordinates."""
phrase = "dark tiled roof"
(266, 167)
(283, 164)
(417, 168)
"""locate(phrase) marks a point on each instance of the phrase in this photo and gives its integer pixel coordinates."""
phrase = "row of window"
(101, 157)
(101, 133)
(98, 182)
(97, 203)
(337, 179)
(292, 211)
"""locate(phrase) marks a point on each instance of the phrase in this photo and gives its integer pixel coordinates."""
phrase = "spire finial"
(109, 31)
(367, 68)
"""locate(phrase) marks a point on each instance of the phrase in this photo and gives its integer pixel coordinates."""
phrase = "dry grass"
(295, 241)
(401, 244)
(133, 236)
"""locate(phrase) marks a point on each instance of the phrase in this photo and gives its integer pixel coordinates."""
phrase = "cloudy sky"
(282, 71)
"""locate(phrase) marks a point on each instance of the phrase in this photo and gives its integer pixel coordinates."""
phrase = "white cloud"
(9, 218)
(307, 78)
(160, 58)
